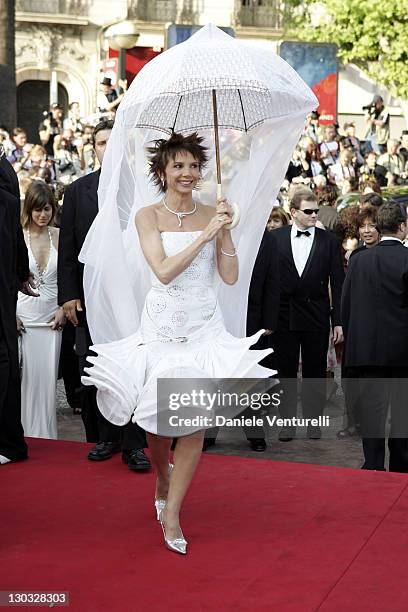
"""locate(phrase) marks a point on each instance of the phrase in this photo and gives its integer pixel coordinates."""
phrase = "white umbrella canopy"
(262, 106)
(252, 85)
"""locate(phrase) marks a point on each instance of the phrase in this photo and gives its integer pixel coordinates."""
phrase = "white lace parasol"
(262, 105)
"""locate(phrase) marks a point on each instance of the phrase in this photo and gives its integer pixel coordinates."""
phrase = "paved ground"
(231, 441)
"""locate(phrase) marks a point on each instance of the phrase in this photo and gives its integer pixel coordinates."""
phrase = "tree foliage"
(372, 34)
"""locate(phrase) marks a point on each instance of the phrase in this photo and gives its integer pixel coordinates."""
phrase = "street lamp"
(122, 36)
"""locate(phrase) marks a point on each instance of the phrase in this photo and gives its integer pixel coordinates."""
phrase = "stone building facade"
(60, 46)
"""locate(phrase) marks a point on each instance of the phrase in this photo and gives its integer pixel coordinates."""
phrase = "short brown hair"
(164, 150)
(346, 225)
(368, 213)
(277, 212)
(105, 124)
(371, 199)
(299, 194)
(16, 131)
(37, 196)
(327, 195)
(389, 218)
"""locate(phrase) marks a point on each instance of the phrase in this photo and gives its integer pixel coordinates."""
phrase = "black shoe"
(103, 451)
(348, 432)
(314, 433)
(257, 444)
(207, 443)
(287, 434)
(136, 459)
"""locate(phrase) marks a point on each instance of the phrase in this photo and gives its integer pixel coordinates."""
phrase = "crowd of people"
(329, 155)
(313, 319)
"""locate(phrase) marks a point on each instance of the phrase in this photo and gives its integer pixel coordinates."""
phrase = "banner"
(316, 63)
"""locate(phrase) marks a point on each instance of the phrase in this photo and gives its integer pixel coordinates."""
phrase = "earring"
(163, 182)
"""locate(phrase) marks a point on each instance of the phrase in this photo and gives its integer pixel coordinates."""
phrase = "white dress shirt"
(301, 246)
(391, 238)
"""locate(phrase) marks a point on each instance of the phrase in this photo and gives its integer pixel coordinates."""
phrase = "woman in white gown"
(39, 319)
(182, 333)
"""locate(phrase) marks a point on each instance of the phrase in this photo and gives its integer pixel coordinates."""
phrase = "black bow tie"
(300, 233)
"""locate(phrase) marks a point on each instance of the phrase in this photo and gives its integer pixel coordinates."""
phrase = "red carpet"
(263, 536)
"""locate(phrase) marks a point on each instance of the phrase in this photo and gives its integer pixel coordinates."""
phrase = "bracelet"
(234, 254)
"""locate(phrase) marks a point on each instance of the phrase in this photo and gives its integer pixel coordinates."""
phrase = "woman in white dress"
(182, 332)
(39, 319)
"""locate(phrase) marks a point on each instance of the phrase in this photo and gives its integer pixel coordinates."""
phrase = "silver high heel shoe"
(160, 503)
(178, 545)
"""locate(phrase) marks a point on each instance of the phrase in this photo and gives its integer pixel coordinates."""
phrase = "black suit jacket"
(79, 211)
(9, 182)
(263, 298)
(304, 300)
(9, 281)
(13, 257)
(374, 306)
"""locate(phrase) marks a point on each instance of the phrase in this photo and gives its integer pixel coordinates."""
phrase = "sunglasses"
(310, 211)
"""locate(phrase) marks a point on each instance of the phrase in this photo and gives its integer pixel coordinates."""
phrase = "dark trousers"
(350, 386)
(383, 391)
(69, 366)
(97, 428)
(313, 346)
(12, 443)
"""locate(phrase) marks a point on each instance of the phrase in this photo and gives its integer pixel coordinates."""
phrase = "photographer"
(87, 150)
(51, 127)
(378, 124)
(67, 157)
(329, 147)
(19, 155)
(349, 130)
(108, 98)
(372, 170)
(394, 164)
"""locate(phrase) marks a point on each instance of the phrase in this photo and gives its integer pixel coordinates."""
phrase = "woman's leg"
(186, 458)
(159, 451)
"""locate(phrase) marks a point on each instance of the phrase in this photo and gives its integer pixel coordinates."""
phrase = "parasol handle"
(236, 212)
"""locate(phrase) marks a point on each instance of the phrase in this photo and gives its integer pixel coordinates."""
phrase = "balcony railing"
(260, 13)
(154, 10)
(76, 8)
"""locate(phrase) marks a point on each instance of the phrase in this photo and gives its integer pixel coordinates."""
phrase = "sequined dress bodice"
(189, 301)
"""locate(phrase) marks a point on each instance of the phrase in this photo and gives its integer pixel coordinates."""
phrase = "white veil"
(116, 276)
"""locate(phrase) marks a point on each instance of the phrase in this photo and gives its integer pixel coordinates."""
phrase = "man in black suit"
(263, 309)
(309, 260)
(79, 211)
(375, 315)
(14, 276)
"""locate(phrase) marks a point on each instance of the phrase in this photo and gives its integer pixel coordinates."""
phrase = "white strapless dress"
(182, 335)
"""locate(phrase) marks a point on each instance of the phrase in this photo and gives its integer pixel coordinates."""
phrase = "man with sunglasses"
(309, 261)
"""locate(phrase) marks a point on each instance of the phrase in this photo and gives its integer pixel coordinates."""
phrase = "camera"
(47, 114)
(369, 107)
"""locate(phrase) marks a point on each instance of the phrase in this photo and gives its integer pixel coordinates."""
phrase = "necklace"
(40, 273)
(180, 215)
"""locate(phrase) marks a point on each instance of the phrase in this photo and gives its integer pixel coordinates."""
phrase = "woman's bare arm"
(168, 268)
(227, 264)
